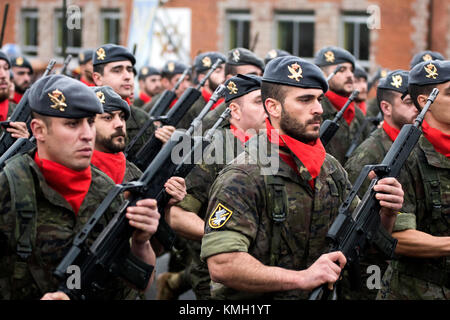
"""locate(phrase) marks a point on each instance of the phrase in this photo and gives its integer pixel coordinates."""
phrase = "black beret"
(21, 61)
(111, 53)
(242, 56)
(173, 67)
(294, 71)
(425, 56)
(396, 80)
(63, 97)
(240, 85)
(3, 56)
(111, 101)
(430, 72)
(148, 71)
(274, 53)
(85, 56)
(331, 55)
(359, 72)
(204, 61)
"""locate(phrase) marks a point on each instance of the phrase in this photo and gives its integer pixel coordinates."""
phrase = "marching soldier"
(266, 223)
(360, 84)
(341, 86)
(422, 268)
(57, 186)
(22, 72)
(426, 55)
(243, 97)
(149, 85)
(85, 61)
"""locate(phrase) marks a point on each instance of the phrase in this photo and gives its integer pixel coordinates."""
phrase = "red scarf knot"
(439, 140)
(339, 102)
(113, 164)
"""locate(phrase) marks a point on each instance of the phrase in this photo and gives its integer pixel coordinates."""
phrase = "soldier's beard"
(4, 94)
(400, 120)
(297, 130)
(212, 85)
(108, 143)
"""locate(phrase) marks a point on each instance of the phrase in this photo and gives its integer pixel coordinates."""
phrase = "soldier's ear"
(98, 78)
(235, 111)
(39, 129)
(422, 100)
(386, 108)
(273, 108)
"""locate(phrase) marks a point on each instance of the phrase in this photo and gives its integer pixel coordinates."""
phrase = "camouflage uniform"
(420, 278)
(343, 138)
(372, 108)
(242, 190)
(135, 122)
(149, 105)
(55, 226)
(372, 151)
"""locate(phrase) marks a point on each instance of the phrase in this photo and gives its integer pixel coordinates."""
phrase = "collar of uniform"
(433, 157)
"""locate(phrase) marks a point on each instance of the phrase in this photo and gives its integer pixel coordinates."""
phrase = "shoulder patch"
(220, 216)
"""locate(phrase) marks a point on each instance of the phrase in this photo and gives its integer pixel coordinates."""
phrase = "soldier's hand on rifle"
(326, 269)
(55, 296)
(164, 133)
(18, 130)
(144, 217)
(389, 193)
(175, 187)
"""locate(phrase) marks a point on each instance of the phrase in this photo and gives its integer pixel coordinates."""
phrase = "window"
(74, 36)
(110, 26)
(295, 33)
(355, 37)
(29, 31)
(238, 29)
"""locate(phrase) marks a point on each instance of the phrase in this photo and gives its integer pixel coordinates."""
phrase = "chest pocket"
(437, 194)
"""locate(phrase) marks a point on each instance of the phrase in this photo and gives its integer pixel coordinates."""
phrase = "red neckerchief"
(144, 97)
(4, 105)
(312, 155)
(338, 102)
(113, 164)
(173, 103)
(17, 97)
(390, 131)
(89, 84)
(206, 96)
(362, 107)
(128, 101)
(238, 133)
(72, 185)
(439, 140)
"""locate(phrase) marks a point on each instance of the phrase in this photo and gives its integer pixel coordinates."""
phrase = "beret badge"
(397, 81)
(100, 96)
(232, 87)
(19, 61)
(101, 54)
(329, 56)
(296, 72)
(171, 66)
(58, 99)
(206, 62)
(431, 71)
(236, 55)
(427, 57)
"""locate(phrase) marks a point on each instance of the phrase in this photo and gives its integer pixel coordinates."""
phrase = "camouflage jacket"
(135, 122)
(11, 107)
(342, 140)
(372, 108)
(416, 278)
(240, 218)
(55, 226)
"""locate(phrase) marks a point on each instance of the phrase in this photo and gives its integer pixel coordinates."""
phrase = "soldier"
(53, 190)
(239, 61)
(22, 72)
(149, 85)
(243, 97)
(396, 113)
(113, 66)
(341, 86)
(275, 53)
(17, 129)
(170, 74)
(360, 84)
(202, 63)
(422, 268)
(86, 67)
(372, 104)
(265, 234)
(426, 55)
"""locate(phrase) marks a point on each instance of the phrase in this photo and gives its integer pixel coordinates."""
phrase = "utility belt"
(436, 271)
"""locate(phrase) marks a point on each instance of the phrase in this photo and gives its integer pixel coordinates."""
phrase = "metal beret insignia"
(272, 54)
(100, 96)
(58, 99)
(81, 55)
(101, 54)
(206, 62)
(431, 71)
(427, 57)
(329, 56)
(397, 81)
(384, 73)
(296, 72)
(171, 66)
(19, 61)
(232, 87)
(220, 216)
(145, 71)
(236, 55)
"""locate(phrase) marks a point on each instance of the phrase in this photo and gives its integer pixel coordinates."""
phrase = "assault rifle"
(110, 254)
(21, 145)
(338, 69)
(65, 64)
(353, 232)
(329, 127)
(22, 113)
(145, 155)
